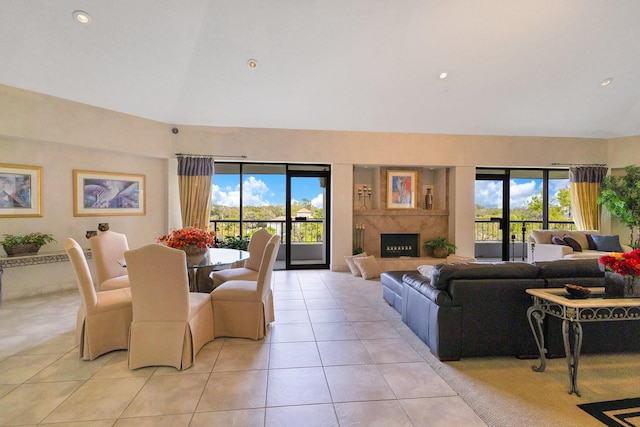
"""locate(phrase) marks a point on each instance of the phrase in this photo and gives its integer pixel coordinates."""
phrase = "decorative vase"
(21, 250)
(195, 254)
(619, 286)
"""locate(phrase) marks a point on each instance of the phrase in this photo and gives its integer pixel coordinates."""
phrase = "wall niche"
(371, 217)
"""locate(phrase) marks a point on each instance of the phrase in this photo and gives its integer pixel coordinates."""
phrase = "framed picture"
(401, 189)
(104, 193)
(20, 191)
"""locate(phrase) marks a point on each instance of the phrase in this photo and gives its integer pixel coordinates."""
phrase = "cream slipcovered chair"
(244, 308)
(103, 317)
(249, 271)
(170, 324)
(108, 248)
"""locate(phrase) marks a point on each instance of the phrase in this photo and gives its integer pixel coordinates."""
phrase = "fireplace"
(399, 244)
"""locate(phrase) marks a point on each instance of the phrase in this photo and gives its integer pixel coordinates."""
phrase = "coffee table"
(573, 311)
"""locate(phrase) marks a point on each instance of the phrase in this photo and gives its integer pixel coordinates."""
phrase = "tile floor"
(332, 358)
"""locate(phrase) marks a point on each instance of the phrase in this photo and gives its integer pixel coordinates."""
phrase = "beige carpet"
(505, 392)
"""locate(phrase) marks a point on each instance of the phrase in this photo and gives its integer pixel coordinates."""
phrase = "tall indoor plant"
(620, 195)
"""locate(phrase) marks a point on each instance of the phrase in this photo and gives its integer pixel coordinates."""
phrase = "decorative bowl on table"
(577, 291)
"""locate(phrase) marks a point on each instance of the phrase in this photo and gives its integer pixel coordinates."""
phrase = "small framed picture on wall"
(20, 191)
(401, 189)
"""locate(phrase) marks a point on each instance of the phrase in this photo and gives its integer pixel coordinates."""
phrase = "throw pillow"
(557, 240)
(369, 268)
(573, 243)
(591, 245)
(425, 270)
(352, 266)
(580, 237)
(607, 243)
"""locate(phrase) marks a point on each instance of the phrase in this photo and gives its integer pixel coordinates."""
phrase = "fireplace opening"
(399, 244)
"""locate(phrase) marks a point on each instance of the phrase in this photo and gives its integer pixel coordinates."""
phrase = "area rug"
(615, 413)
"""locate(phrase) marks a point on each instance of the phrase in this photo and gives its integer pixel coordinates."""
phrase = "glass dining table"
(213, 259)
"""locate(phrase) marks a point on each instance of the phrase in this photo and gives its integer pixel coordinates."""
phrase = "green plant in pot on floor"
(440, 247)
(27, 244)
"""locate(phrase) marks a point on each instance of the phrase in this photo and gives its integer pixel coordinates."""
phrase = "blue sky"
(269, 190)
(489, 193)
(264, 190)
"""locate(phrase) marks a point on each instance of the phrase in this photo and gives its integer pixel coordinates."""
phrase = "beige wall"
(60, 136)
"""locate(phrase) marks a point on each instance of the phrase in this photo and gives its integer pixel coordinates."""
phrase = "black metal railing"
(487, 230)
(310, 230)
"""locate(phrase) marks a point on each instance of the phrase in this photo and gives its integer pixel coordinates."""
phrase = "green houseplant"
(620, 195)
(440, 247)
(27, 244)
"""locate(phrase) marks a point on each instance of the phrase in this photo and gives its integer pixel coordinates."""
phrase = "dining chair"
(108, 248)
(249, 270)
(170, 324)
(103, 318)
(244, 308)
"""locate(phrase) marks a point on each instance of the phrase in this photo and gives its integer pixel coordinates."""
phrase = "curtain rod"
(241, 156)
(578, 164)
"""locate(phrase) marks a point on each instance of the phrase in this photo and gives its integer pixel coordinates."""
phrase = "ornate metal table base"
(572, 312)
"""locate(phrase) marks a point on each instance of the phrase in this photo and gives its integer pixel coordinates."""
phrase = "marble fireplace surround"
(428, 223)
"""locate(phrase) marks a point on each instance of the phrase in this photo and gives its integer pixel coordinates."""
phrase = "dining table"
(213, 259)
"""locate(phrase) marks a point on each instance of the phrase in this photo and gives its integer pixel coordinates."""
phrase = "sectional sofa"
(479, 309)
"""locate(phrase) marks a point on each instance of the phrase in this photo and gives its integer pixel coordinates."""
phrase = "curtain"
(194, 181)
(584, 189)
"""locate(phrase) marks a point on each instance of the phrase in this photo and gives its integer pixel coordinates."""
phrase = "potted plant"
(620, 194)
(27, 244)
(440, 247)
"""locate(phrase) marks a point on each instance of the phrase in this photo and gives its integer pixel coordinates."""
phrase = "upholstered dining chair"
(108, 248)
(170, 324)
(103, 317)
(248, 271)
(244, 308)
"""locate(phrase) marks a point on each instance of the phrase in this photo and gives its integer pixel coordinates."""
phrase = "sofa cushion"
(544, 236)
(352, 265)
(369, 268)
(569, 268)
(607, 243)
(591, 245)
(572, 242)
(580, 237)
(422, 285)
(426, 270)
(443, 273)
(557, 240)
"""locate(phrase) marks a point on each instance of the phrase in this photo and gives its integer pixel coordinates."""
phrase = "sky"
(264, 190)
(269, 190)
(489, 193)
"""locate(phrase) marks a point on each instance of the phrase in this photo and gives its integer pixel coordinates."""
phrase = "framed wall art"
(401, 189)
(20, 191)
(105, 193)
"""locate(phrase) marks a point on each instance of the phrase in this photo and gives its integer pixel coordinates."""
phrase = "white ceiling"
(516, 67)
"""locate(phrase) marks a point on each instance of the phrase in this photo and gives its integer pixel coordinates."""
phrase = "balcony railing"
(310, 230)
(519, 230)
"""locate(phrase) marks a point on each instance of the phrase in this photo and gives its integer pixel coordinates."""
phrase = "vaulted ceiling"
(521, 67)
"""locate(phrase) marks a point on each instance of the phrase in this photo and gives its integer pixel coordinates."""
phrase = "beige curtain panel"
(584, 189)
(194, 181)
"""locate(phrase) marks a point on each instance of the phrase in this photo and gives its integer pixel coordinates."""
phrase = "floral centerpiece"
(623, 273)
(192, 240)
(189, 237)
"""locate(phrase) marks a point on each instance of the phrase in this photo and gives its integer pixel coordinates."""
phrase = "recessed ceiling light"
(81, 17)
(252, 63)
(606, 82)
(443, 75)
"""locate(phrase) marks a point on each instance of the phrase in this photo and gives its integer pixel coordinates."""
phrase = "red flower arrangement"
(185, 237)
(626, 264)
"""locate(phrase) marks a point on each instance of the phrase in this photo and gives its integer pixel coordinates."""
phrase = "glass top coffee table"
(573, 311)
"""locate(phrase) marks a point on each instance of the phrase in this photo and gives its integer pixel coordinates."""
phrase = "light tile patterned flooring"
(333, 357)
